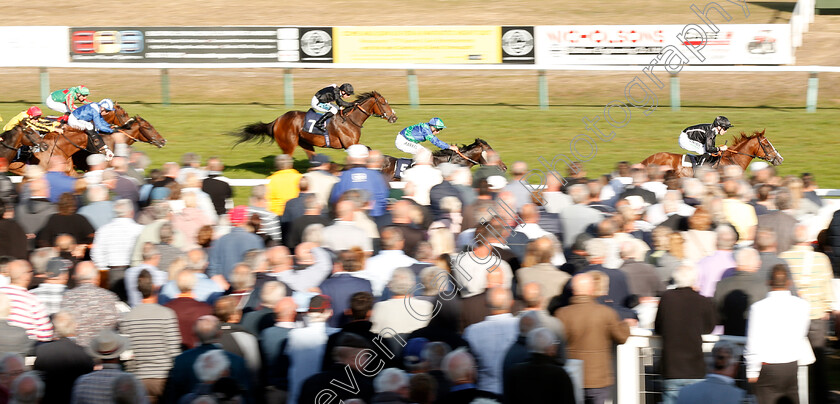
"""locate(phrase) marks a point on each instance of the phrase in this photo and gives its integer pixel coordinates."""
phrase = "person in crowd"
(65, 221)
(27, 311)
(735, 294)
(711, 269)
(114, 256)
(187, 309)
(272, 338)
(682, 319)
(182, 378)
(269, 222)
(342, 364)
(282, 185)
(591, 329)
(13, 242)
(540, 379)
(313, 265)
(11, 368)
(28, 388)
(719, 385)
(95, 387)
(153, 333)
(812, 277)
(216, 185)
(151, 264)
(402, 312)
(51, 291)
(228, 250)
(766, 244)
(781, 220)
(391, 387)
(205, 289)
(305, 346)
(12, 339)
(775, 333)
(343, 284)
(61, 361)
(256, 321)
(537, 267)
(379, 268)
(460, 368)
(423, 175)
(486, 338)
(99, 210)
(358, 176)
(344, 234)
(95, 308)
(579, 216)
(320, 179)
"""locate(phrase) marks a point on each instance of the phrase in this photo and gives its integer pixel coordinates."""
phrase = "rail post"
(289, 88)
(542, 84)
(675, 93)
(164, 87)
(413, 91)
(45, 83)
(811, 96)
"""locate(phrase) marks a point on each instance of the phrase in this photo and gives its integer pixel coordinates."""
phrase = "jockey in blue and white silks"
(409, 139)
(89, 119)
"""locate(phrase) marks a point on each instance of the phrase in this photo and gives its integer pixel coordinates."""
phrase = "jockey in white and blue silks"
(89, 119)
(409, 139)
(328, 99)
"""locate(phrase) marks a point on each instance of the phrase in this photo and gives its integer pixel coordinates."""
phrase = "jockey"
(701, 138)
(409, 139)
(323, 101)
(89, 116)
(64, 100)
(32, 119)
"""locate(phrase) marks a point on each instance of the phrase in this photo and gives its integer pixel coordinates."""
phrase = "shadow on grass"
(265, 166)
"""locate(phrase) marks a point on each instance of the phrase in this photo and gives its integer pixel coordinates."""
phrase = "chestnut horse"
(469, 156)
(344, 129)
(741, 153)
(72, 140)
(11, 142)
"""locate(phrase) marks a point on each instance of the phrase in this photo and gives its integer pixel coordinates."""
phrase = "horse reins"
(367, 113)
(466, 158)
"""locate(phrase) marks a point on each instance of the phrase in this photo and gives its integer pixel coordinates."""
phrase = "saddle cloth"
(402, 164)
(309, 120)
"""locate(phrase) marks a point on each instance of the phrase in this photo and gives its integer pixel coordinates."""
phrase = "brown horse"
(344, 130)
(741, 153)
(11, 142)
(73, 140)
(470, 155)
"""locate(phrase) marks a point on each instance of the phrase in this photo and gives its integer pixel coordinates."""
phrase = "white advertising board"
(733, 44)
(33, 46)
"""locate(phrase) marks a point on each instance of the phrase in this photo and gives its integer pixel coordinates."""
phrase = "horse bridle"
(369, 114)
(25, 133)
(763, 148)
(129, 122)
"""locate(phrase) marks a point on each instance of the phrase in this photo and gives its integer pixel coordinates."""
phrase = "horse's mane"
(364, 96)
(744, 137)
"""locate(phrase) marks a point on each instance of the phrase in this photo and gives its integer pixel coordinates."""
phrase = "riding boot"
(703, 158)
(322, 123)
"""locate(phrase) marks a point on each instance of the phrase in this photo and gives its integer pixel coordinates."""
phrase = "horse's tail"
(258, 130)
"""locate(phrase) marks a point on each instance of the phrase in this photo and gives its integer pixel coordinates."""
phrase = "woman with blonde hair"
(699, 239)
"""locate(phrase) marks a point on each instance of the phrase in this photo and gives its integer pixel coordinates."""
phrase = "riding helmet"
(437, 123)
(347, 88)
(84, 90)
(107, 104)
(33, 111)
(722, 122)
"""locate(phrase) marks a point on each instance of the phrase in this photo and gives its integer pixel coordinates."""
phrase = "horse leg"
(307, 148)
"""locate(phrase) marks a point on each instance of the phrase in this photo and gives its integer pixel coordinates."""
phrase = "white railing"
(803, 15)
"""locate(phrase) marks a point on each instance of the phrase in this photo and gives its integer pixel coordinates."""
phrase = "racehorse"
(741, 153)
(344, 130)
(13, 139)
(467, 156)
(72, 140)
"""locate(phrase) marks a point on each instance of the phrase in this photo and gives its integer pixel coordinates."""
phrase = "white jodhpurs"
(691, 145)
(323, 107)
(79, 124)
(56, 106)
(407, 146)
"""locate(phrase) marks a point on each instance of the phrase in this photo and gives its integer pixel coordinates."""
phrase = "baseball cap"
(496, 182)
(238, 215)
(358, 151)
(57, 265)
(318, 160)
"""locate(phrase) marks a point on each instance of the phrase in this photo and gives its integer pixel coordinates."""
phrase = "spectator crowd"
(461, 286)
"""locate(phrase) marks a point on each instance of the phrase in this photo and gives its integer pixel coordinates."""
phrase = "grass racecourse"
(806, 141)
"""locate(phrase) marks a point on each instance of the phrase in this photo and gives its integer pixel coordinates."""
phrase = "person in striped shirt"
(27, 310)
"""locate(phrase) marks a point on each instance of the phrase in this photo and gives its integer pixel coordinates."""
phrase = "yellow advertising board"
(424, 44)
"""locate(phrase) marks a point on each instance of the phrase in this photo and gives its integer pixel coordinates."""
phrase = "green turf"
(524, 133)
